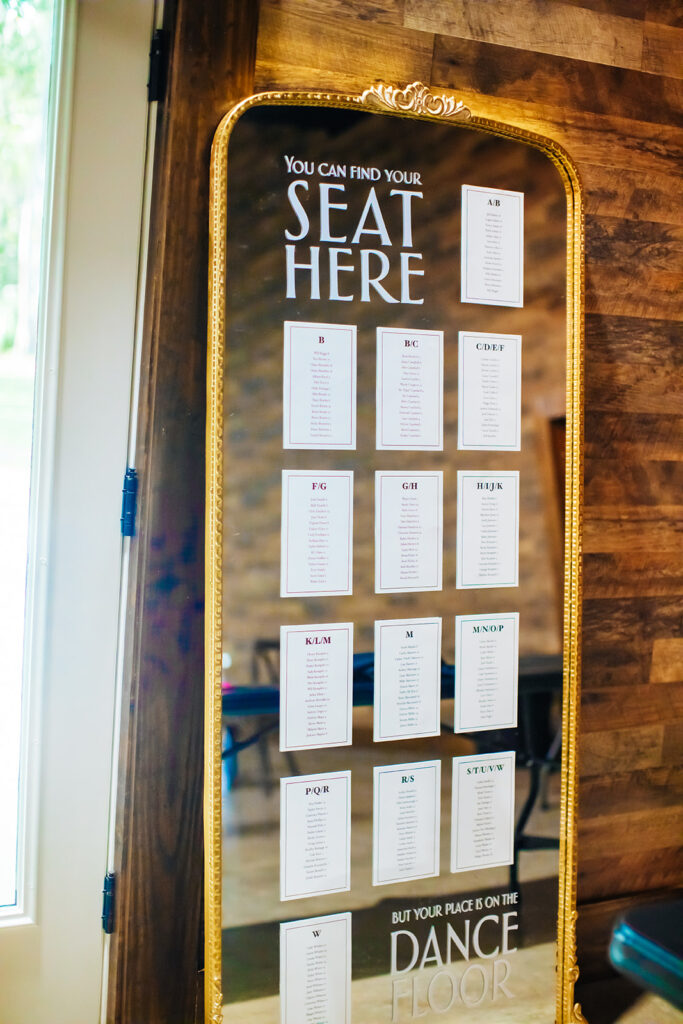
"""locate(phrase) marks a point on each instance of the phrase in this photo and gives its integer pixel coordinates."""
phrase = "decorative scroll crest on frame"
(416, 98)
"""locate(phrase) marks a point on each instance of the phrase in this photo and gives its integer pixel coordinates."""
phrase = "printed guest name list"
(319, 386)
(492, 246)
(315, 835)
(315, 970)
(486, 671)
(408, 531)
(483, 813)
(407, 679)
(406, 822)
(317, 533)
(489, 392)
(409, 390)
(316, 685)
(488, 529)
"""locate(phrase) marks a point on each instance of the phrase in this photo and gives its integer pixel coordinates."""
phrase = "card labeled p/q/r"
(316, 685)
(486, 671)
(483, 812)
(406, 822)
(488, 529)
(489, 392)
(492, 246)
(316, 548)
(407, 679)
(319, 386)
(408, 531)
(315, 970)
(315, 835)
(409, 390)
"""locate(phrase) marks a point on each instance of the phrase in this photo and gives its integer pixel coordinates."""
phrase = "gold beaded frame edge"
(412, 101)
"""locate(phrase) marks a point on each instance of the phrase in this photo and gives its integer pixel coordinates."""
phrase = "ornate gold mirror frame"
(414, 101)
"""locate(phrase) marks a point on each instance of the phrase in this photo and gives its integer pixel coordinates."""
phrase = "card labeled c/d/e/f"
(489, 392)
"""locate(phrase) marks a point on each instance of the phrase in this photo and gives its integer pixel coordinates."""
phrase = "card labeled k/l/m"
(316, 685)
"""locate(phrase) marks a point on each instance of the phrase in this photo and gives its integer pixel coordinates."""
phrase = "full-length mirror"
(391, 569)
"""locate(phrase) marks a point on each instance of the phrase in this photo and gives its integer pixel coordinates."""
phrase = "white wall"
(51, 971)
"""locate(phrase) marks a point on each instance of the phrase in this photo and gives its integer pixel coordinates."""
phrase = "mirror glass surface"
(441, 970)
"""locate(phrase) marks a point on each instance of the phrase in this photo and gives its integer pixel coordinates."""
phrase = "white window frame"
(23, 911)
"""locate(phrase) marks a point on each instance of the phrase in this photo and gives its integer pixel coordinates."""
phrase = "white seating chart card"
(315, 835)
(408, 531)
(489, 392)
(406, 822)
(316, 685)
(488, 529)
(407, 679)
(492, 246)
(315, 970)
(319, 386)
(316, 550)
(483, 812)
(486, 671)
(409, 390)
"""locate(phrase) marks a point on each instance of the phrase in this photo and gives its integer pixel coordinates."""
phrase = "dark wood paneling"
(637, 195)
(307, 50)
(665, 12)
(560, 28)
(632, 791)
(515, 74)
(637, 437)
(634, 242)
(157, 955)
(626, 874)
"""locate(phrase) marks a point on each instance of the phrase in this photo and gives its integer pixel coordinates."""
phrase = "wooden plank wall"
(603, 77)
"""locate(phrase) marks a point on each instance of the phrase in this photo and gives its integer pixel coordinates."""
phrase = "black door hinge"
(130, 503)
(158, 55)
(108, 898)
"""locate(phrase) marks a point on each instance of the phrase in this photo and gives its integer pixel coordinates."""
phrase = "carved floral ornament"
(416, 98)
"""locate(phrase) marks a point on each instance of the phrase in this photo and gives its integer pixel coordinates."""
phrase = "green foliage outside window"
(25, 33)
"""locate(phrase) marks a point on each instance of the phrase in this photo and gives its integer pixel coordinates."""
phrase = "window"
(27, 34)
